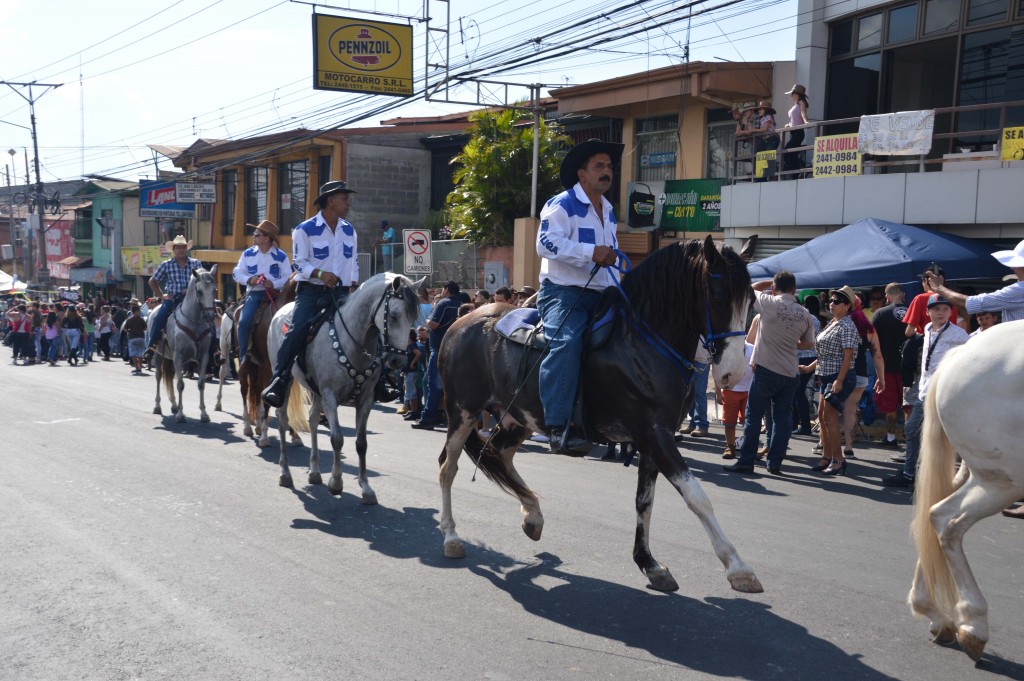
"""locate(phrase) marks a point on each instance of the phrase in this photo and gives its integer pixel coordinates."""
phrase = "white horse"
(186, 343)
(972, 408)
(227, 325)
(343, 363)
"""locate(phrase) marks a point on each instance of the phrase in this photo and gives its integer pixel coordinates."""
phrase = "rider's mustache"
(605, 178)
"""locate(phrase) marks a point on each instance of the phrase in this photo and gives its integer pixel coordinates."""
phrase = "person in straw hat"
(324, 252)
(169, 283)
(263, 269)
(1009, 300)
(577, 230)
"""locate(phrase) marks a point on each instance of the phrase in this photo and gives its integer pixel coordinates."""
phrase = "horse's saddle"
(524, 327)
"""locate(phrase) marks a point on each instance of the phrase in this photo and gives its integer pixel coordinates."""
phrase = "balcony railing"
(944, 143)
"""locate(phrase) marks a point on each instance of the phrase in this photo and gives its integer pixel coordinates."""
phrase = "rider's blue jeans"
(309, 300)
(560, 367)
(156, 332)
(249, 308)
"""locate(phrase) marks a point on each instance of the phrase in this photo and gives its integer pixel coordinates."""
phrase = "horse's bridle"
(203, 310)
(359, 376)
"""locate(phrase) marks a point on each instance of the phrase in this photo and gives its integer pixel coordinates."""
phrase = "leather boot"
(275, 394)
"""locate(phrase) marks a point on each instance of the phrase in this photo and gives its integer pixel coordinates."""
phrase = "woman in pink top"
(797, 117)
(51, 330)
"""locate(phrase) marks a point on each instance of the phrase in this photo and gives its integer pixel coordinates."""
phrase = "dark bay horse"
(633, 391)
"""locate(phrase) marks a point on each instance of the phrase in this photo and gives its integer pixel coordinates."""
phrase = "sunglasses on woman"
(837, 301)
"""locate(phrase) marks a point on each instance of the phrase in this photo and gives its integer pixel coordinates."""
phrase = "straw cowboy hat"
(178, 241)
(268, 228)
(332, 187)
(845, 292)
(798, 89)
(766, 104)
(1014, 258)
(581, 153)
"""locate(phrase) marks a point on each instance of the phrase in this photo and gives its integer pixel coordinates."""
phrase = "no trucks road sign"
(417, 251)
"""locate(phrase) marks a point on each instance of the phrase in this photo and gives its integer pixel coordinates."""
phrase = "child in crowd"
(734, 403)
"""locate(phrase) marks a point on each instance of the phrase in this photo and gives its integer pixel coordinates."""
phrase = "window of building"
(256, 185)
(657, 140)
(323, 170)
(106, 229)
(869, 31)
(902, 24)
(151, 233)
(941, 16)
(721, 141)
(853, 88)
(292, 179)
(981, 12)
(991, 70)
(83, 225)
(842, 38)
(228, 195)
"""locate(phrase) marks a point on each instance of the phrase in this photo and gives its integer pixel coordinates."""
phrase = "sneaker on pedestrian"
(403, 410)
(540, 437)
(698, 432)
(900, 479)
(889, 443)
(729, 453)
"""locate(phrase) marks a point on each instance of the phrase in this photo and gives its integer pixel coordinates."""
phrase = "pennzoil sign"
(362, 56)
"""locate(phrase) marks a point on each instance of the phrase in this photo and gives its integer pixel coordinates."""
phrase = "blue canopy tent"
(874, 252)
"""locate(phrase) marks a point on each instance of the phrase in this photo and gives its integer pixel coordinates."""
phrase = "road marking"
(47, 423)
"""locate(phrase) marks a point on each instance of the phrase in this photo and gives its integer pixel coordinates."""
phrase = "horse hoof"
(454, 549)
(943, 635)
(286, 481)
(369, 499)
(661, 580)
(205, 418)
(217, 407)
(296, 441)
(334, 487)
(157, 410)
(315, 479)
(533, 530)
(263, 443)
(247, 431)
(971, 644)
(747, 584)
(180, 418)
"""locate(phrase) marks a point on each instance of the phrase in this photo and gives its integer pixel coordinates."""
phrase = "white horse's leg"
(457, 435)
(282, 426)
(922, 603)
(223, 374)
(671, 464)
(158, 372)
(180, 413)
(314, 448)
(362, 416)
(951, 518)
(203, 416)
(263, 425)
(329, 407)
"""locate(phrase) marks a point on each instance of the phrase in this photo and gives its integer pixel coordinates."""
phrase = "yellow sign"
(761, 160)
(836, 156)
(142, 260)
(1012, 148)
(354, 55)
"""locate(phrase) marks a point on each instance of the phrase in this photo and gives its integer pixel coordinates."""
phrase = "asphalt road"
(137, 548)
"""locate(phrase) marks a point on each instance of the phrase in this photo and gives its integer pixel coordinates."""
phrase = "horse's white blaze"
(733, 363)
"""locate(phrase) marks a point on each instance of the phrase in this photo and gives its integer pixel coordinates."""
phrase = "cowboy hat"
(1014, 258)
(766, 104)
(332, 187)
(581, 153)
(178, 241)
(798, 89)
(268, 228)
(845, 292)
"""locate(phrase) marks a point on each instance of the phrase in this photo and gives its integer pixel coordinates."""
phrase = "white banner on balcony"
(906, 133)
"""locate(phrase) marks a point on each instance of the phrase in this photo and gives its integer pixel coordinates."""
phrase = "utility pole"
(40, 198)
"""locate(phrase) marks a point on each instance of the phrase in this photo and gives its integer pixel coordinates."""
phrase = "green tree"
(493, 178)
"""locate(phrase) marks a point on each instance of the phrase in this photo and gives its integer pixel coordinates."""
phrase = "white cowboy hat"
(178, 241)
(1014, 258)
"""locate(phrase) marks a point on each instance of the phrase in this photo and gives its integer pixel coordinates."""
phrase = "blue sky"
(169, 71)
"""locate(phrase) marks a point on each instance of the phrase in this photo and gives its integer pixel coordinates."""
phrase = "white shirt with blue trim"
(570, 230)
(273, 265)
(314, 246)
(1008, 300)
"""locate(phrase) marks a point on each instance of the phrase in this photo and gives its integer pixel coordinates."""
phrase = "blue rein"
(682, 365)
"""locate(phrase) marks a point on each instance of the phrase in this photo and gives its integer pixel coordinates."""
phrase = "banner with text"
(1012, 147)
(906, 133)
(355, 55)
(158, 200)
(836, 155)
(144, 260)
(765, 164)
(692, 206)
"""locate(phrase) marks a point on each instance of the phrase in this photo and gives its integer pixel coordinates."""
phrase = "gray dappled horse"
(343, 365)
(186, 343)
(634, 390)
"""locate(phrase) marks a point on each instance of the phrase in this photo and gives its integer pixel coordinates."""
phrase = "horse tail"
(168, 375)
(298, 408)
(933, 483)
(488, 458)
(253, 387)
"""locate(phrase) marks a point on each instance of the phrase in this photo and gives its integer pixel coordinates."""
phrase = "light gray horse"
(343, 362)
(186, 343)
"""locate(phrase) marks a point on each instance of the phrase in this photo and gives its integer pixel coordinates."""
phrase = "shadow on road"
(222, 431)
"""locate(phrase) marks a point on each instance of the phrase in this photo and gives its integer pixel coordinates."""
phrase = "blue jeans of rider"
(156, 332)
(773, 391)
(431, 390)
(560, 367)
(249, 308)
(912, 431)
(309, 300)
(699, 409)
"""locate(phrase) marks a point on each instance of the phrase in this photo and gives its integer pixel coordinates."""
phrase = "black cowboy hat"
(332, 187)
(581, 153)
